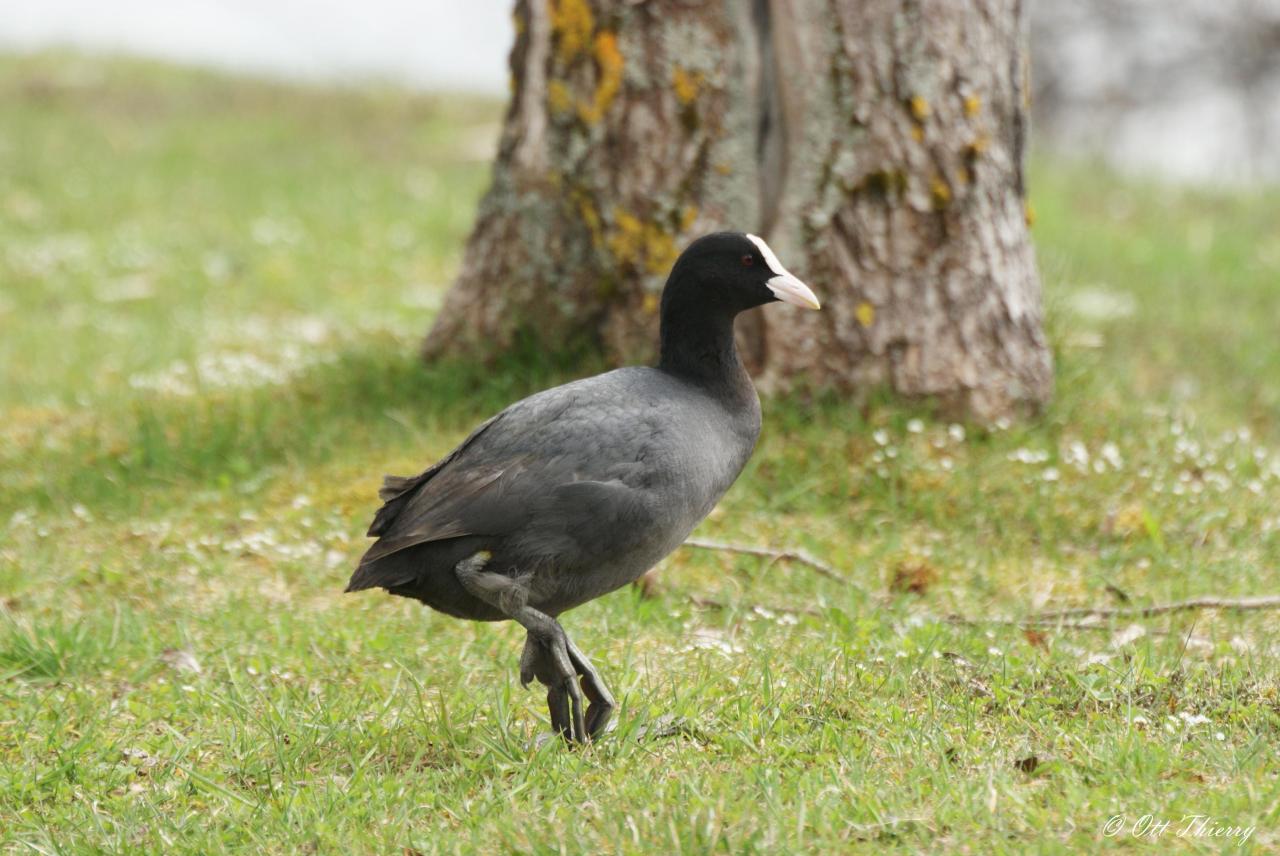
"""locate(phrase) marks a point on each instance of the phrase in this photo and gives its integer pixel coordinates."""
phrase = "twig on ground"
(1229, 603)
(1085, 617)
(1052, 619)
(1031, 623)
(777, 555)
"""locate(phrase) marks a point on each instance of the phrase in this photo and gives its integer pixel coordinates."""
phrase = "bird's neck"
(698, 346)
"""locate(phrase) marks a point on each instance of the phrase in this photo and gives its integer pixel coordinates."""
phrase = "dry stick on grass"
(1052, 619)
(1033, 624)
(776, 555)
(1237, 604)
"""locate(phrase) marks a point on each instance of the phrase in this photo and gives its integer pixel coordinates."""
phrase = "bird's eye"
(748, 260)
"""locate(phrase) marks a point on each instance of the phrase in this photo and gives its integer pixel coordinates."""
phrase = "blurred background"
(1185, 88)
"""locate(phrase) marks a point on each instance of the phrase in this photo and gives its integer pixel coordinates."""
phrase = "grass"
(210, 293)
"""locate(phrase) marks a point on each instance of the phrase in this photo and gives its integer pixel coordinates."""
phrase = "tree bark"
(876, 144)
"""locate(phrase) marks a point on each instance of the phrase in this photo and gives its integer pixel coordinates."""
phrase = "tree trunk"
(877, 145)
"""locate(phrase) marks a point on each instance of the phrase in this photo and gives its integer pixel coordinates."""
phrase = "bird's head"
(734, 271)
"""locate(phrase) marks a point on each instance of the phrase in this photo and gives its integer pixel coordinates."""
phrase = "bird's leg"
(552, 664)
(601, 705)
(534, 664)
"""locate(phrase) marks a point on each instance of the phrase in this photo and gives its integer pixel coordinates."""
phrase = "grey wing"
(459, 500)
(396, 491)
(516, 476)
(590, 517)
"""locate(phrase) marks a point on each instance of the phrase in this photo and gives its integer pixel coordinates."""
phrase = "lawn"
(211, 290)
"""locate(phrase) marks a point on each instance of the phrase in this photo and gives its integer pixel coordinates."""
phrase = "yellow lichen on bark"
(920, 107)
(559, 99)
(660, 250)
(641, 245)
(589, 217)
(972, 105)
(627, 239)
(686, 84)
(941, 192)
(865, 313)
(572, 24)
(609, 63)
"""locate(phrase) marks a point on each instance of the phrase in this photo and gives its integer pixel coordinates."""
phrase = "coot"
(578, 490)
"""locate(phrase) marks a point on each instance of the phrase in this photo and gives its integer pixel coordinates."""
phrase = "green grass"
(179, 671)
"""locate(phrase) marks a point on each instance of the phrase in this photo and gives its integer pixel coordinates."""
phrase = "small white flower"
(1111, 454)
(1077, 453)
(915, 426)
(881, 437)
(1050, 474)
(956, 432)
(1218, 735)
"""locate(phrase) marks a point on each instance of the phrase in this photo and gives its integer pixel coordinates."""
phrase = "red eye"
(748, 260)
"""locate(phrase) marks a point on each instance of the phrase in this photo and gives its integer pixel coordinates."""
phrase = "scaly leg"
(549, 654)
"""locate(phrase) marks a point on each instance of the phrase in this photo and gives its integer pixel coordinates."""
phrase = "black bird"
(578, 490)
